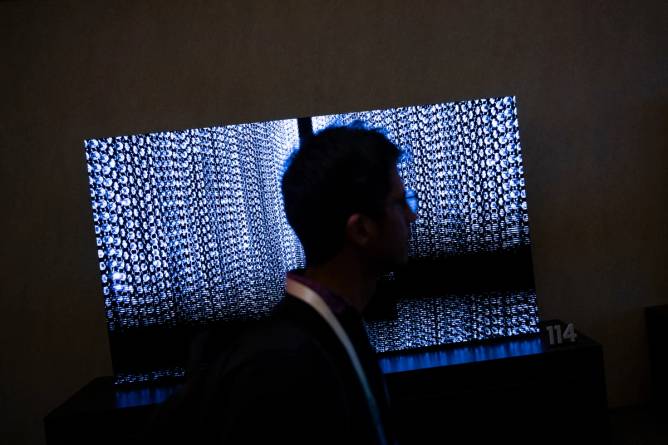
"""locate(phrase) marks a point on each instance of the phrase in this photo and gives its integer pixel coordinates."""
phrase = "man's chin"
(403, 262)
(397, 263)
(392, 263)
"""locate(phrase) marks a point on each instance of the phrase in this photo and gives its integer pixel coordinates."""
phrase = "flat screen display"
(191, 232)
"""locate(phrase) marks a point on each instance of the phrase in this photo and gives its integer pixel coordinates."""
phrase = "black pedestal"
(519, 390)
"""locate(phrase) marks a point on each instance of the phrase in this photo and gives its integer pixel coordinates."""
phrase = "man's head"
(342, 193)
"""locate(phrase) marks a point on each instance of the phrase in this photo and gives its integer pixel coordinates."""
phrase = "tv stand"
(518, 390)
(512, 390)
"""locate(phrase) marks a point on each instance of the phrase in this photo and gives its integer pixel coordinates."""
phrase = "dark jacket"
(289, 380)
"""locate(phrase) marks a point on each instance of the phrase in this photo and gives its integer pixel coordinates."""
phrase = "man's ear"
(359, 229)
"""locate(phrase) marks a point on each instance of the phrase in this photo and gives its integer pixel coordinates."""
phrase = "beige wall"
(590, 78)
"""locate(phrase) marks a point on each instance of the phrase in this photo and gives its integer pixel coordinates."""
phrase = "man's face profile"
(386, 240)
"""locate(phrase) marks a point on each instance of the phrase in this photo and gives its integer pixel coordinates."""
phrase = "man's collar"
(337, 304)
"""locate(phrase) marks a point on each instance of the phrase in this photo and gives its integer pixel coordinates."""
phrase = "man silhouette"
(310, 375)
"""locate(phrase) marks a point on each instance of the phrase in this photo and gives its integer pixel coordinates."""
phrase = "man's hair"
(337, 172)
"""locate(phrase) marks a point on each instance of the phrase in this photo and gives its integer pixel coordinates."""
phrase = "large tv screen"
(191, 232)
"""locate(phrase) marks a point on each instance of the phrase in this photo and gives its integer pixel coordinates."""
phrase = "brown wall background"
(589, 76)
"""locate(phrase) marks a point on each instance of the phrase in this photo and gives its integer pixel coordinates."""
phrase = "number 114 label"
(557, 337)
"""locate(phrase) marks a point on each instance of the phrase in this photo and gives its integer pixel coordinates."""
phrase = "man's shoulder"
(294, 346)
(286, 352)
(294, 328)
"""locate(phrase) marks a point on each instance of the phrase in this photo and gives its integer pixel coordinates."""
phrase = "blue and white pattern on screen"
(190, 226)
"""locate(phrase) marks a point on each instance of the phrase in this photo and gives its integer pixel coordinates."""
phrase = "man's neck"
(346, 279)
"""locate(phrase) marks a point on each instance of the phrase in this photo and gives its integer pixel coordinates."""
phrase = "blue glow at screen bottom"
(145, 396)
(460, 355)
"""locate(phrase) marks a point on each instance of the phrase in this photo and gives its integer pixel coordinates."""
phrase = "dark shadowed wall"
(590, 78)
